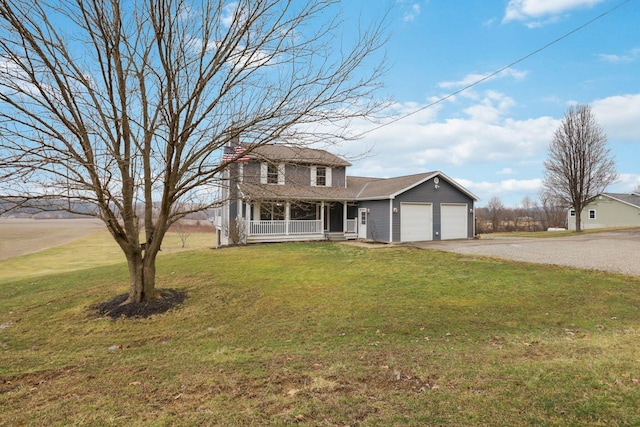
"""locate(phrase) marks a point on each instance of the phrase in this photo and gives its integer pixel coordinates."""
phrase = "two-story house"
(285, 193)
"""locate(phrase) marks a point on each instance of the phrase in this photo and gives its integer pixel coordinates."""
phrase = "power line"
(488, 76)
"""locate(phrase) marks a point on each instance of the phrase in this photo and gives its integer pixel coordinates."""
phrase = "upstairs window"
(272, 174)
(321, 176)
(572, 213)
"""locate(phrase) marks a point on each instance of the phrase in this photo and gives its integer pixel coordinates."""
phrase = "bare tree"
(554, 212)
(126, 105)
(529, 213)
(579, 165)
(183, 231)
(495, 209)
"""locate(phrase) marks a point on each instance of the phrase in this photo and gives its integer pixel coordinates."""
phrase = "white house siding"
(609, 213)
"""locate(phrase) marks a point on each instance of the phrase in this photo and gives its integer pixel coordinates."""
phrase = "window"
(572, 213)
(304, 210)
(321, 176)
(592, 214)
(272, 211)
(272, 174)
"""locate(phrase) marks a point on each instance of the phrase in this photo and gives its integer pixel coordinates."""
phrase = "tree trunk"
(142, 275)
(578, 221)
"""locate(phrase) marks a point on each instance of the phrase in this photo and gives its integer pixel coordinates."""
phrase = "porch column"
(247, 219)
(322, 216)
(344, 217)
(287, 217)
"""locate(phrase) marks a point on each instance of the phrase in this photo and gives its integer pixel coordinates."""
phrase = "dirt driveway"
(615, 251)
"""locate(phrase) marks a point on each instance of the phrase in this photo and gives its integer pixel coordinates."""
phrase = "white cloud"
(420, 142)
(542, 12)
(618, 115)
(504, 190)
(489, 22)
(230, 14)
(490, 109)
(627, 183)
(626, 57)
(482, 145)
(473, 78)
(412, 14)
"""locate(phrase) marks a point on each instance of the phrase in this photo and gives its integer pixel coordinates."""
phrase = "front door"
(362, 223)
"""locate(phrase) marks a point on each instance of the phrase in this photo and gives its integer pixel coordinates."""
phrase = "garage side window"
(592, 214)
(572, 213)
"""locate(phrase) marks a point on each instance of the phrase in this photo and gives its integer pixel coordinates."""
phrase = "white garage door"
(454, 221)
(416, 222)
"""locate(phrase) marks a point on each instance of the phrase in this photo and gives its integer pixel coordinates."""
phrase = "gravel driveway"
(615, 251)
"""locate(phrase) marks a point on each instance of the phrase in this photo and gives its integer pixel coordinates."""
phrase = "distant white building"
(609, 210)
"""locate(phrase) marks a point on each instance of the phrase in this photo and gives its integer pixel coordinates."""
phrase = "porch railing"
(297, 226)
(352, 225)
(270, 228)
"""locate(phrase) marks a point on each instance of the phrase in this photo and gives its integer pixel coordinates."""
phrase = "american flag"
(236, 154)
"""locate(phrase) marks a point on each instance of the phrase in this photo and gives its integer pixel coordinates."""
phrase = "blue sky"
(493, 138)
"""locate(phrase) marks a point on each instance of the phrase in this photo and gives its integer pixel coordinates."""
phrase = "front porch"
(274, 221)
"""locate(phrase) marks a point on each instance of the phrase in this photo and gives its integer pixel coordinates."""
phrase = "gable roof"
(294, 154)
(632, 199)
(389, 188)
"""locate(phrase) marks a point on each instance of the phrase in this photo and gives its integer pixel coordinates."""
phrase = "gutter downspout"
(391, 220)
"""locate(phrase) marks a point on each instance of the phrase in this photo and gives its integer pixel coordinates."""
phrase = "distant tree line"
(530, 215)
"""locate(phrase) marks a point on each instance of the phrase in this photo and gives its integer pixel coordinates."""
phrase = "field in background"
(20, 236)
(318, 334)
(31, 248)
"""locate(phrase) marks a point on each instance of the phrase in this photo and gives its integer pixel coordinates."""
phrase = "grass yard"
(323, 334)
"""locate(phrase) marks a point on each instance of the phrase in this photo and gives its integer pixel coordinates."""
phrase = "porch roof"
(290, 192)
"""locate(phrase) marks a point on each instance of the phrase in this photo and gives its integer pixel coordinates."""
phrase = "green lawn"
(325, 334)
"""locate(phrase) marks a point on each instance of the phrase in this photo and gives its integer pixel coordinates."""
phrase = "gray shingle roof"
(358, 188)
(377, 188)
(293, 154)
(632, 199)
(291, 192)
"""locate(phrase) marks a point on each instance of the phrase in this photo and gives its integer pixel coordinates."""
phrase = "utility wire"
(488, 76)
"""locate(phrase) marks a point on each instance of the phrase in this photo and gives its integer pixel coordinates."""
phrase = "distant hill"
(62, 209)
